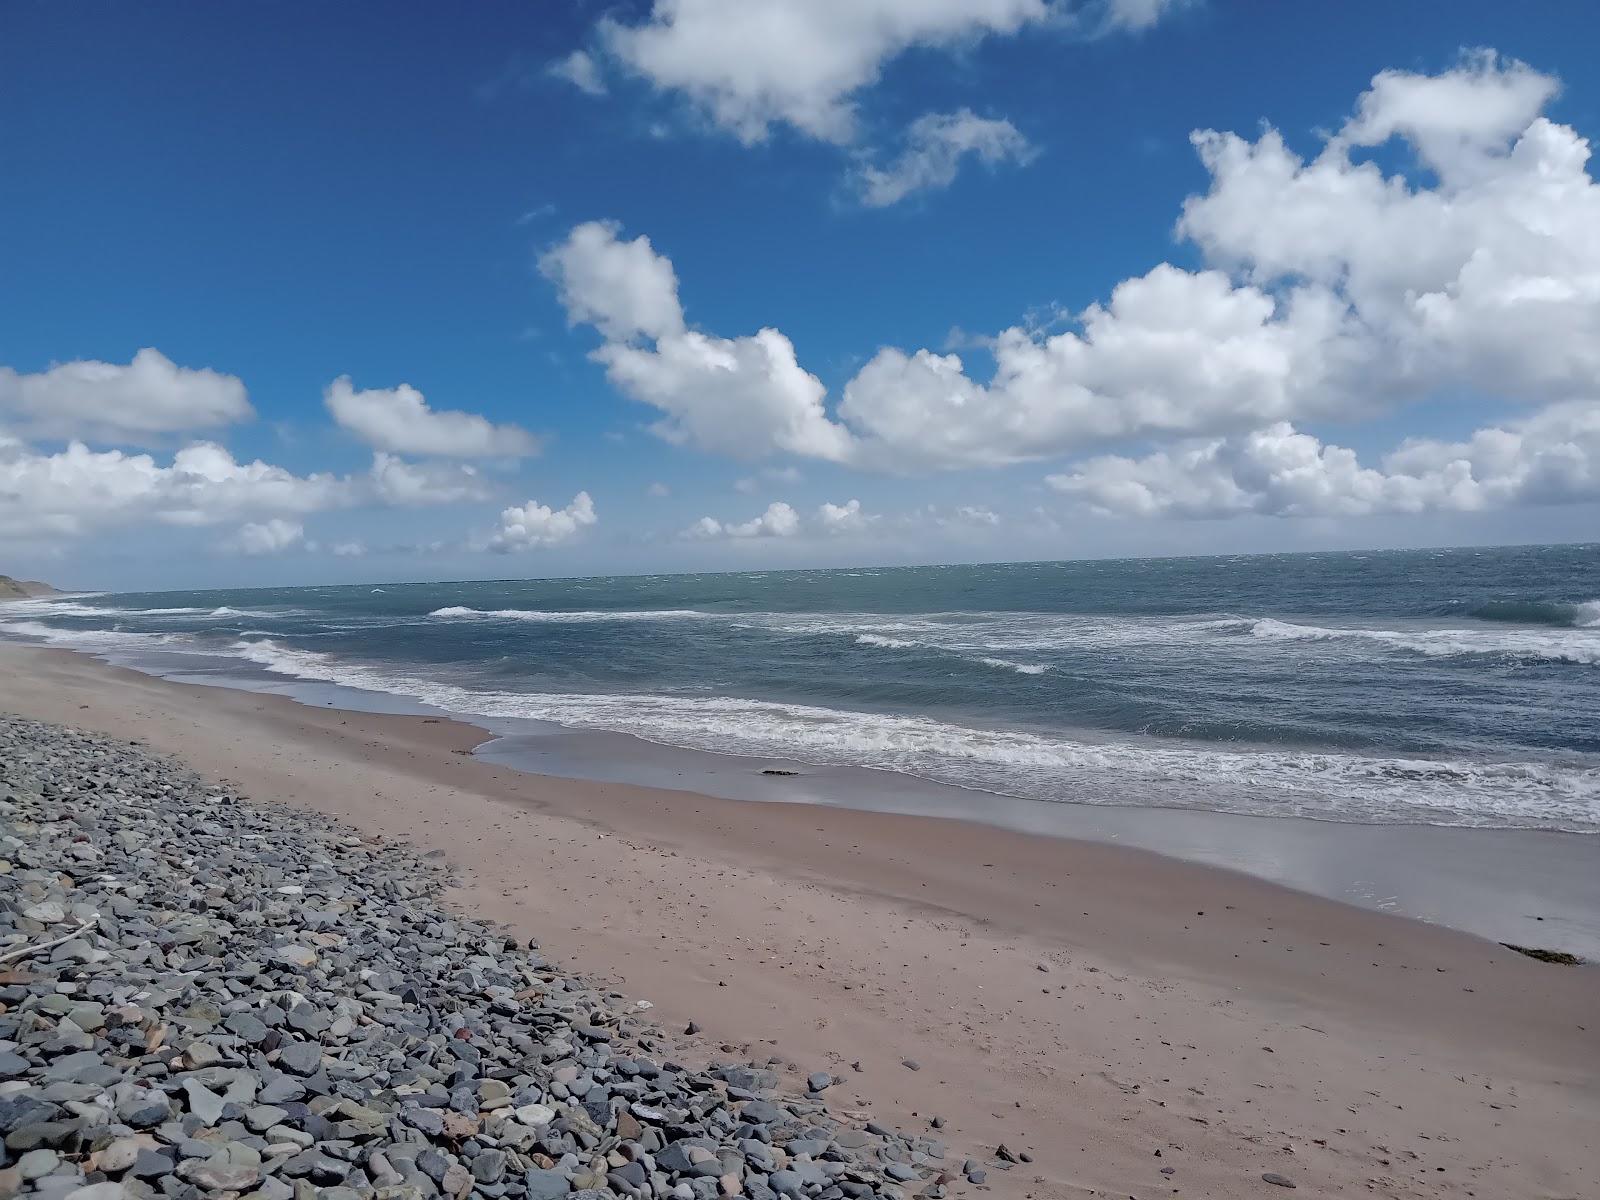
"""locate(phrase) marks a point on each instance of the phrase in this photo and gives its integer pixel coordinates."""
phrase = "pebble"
(1277, 1180)
(271, 1007)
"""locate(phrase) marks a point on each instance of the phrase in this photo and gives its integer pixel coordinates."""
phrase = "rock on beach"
(249, 1001)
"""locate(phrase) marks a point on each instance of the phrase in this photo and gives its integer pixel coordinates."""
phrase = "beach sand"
(1108, 1011)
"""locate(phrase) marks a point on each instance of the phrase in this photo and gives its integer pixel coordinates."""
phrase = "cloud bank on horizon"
(1443, 242)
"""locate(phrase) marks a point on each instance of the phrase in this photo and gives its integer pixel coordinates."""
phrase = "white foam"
(1268, 781)
(1576, 646)
(1587, 614)
(1020, 668)
(583, 617)
(49, 606)
(91, 640)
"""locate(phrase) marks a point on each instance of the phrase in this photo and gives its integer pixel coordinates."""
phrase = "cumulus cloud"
(104, 402)
(935, 145)
(1489, 278)
(1173, 352)
(843, 518)
(398, 420)
(744, 396)
(1552, 457)
(581, 71)
(624, 289)
(533, 525)
(1331, 290)
(408, 484)
(267, 537)
(752, 63)
(79, 491)
(778, 521)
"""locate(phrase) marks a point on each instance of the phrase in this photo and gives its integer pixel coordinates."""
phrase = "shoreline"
(1536, 888)
(845, 935)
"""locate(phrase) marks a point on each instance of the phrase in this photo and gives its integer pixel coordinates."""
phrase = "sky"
(304, 293)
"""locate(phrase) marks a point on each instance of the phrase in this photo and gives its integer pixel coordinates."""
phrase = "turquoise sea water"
(1451, 687)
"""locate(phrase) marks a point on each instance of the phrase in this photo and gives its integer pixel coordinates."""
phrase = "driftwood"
(24, 951)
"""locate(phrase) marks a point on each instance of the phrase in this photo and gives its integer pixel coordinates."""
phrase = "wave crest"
(1561, 614)
(457, 612)
(1578, 647)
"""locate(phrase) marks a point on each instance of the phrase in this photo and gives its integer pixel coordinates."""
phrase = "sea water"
(1446, 687)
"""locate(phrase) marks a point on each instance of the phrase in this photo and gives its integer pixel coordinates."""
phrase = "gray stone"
(247, 1027)
(300, 1058)
(489, 1166)
(39, 1162)
(203, 1102)
(98, 1191)
(12, 1064)
(546, 1185)
(233, 1168)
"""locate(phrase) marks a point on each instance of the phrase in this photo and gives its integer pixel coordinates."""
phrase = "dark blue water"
(1457, 687)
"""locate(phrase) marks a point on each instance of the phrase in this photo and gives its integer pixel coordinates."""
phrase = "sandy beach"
(1111, 1013)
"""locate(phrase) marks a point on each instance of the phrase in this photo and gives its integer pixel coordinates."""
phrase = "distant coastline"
(25, 589)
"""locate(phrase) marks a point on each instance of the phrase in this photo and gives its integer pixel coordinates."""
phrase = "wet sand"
(1110, 1011)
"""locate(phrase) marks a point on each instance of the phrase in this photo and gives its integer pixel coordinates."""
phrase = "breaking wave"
(1013, 762)
(539, 616)
(1561, 614)
(1578, 646)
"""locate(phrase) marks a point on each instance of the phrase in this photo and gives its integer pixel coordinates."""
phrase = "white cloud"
(1552, 457)
(347, 549)
(1454, 119)
(1174, 352)
(843, 518)
(743, 396)
(78, 490)
(1135, 16)
(750, 63)
(268, 537)
(396, 481)
(1490, 279)
(658, 490)
(581, 71)
(1335, 291)
(535, 525)
(399, 420)
(106, 402)
(778, 521)
(1329, 291)
(705, 527)
(624, 289)
(935, 145)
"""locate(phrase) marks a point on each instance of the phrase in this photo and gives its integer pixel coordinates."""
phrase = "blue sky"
(284, 196)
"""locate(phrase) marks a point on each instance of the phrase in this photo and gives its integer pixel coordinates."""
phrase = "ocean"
(1443, 687)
